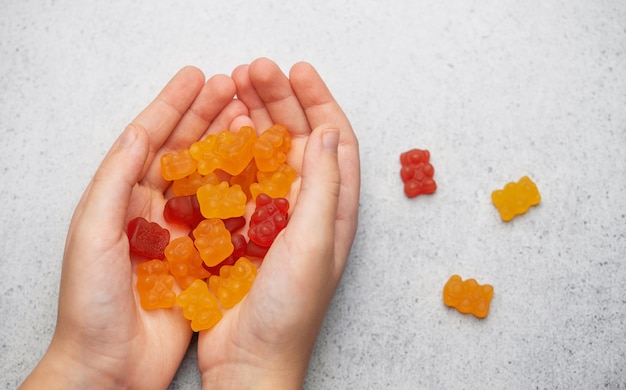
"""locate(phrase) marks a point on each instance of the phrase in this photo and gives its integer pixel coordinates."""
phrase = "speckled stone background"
(494, 89)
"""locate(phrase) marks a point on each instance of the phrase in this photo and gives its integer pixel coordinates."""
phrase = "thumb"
(106, 201)
(316, 206)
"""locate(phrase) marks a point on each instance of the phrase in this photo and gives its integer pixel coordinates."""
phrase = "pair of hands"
(104, 338)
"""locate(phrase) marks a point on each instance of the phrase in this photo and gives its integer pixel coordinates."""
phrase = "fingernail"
(330, 140)
(128, 136)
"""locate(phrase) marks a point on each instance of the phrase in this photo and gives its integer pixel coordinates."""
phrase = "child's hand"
(103, 337)
(267, 339)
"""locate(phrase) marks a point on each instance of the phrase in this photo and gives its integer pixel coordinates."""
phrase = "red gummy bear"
(233, 224)
(147, 239)
(417, 173)
(255, 250)
(183, 210)
(269, 218)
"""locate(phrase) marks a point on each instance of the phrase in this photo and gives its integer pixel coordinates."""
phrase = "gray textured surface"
(495, 89)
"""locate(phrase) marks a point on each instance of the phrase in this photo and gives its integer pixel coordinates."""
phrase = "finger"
(321, 109)
(162, 115)
(315, 98)
(249, 96)
(317, 202)
(241, 121)
(274, 89)
(225, 119)
(214, 101)
(216, 94)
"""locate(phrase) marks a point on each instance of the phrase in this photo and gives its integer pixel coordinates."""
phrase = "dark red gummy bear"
(417, 173)
(147, 239)
(254, 250)
(269, 218)
(183, 210)
(235, 223)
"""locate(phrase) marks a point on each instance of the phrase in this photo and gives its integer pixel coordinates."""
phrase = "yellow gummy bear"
(234, 282)
(221, 200)
(199, 306)
(516, 198)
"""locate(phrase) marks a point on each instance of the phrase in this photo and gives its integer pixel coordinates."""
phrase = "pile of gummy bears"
(212, 182)
(467, 296)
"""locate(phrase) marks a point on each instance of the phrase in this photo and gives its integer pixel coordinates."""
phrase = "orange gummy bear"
(516, 198)
(246, 178)
(276, 184)
(213, 241)
(228, 151)
(155, 285)
(176, 166)
(468, 297)
(221, 200)
(188, 185)
(184, 261)
(234, 282)
(199, 306)
(270, 149)
(203, 152)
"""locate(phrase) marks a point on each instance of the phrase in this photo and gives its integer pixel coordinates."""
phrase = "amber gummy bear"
(468, 297)
(155, 285)
(184, 261)
(276, 183)
(234, 282)
(270, 149)
(222, 200)
(177, 166)
(213, 241)
(228, 151)
(199, 306)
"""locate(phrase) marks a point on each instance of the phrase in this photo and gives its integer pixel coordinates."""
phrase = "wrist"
(62, 369)
(266, 375)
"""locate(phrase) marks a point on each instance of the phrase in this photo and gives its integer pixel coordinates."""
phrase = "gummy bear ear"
(263, 199)
(282, 204)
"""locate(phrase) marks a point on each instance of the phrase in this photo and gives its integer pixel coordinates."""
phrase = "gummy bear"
(183, 210)
(239, 250)
(275, 184)
(213, 241)
(417, 173)
(256, 250)
(185, 262)
(270, 149)
(221, 200)
(189, 185)
(203, 152)
(269, 218)
(176, 166)
(233, 224)
(234, 282)
(467, 296)
(246, 178)
(199, 306)
(228, 151)
(147, 239)
(516, 198)
(155, 285)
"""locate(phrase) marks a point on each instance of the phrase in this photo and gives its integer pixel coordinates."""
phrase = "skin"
(104, 339)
